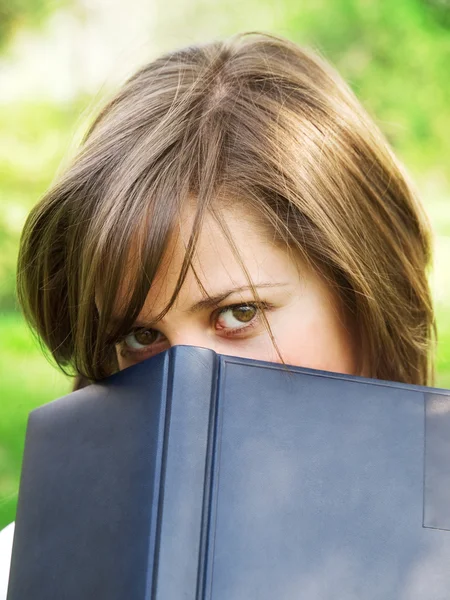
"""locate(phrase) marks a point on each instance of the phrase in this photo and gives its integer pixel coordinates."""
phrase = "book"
(198, 476)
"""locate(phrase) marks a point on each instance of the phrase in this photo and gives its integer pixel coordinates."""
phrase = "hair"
(258, 120)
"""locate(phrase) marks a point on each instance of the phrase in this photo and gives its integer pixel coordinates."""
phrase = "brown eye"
(244, 314)
(236, 317)
(141, 338)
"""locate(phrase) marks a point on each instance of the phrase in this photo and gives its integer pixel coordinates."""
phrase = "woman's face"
(305, 318)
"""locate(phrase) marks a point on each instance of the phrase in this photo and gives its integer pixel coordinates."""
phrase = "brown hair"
(254, 118)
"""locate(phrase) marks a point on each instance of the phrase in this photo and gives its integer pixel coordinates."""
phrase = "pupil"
(145, 337)
(244, 313)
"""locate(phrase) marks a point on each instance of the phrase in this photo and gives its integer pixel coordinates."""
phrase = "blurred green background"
(58, 60)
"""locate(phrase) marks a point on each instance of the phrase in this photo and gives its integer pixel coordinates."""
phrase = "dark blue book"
(195, 476)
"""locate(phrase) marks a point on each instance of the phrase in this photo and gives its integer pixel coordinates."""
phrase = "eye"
(237, 317)
(142, 338)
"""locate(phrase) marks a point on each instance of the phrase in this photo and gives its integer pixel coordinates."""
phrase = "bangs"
(130, 258)
(130, 234)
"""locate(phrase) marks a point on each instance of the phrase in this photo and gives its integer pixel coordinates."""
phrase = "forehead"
(231, 248)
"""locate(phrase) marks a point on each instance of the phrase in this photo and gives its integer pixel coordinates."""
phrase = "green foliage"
(33, 139)
(395, 56)
(15, 14)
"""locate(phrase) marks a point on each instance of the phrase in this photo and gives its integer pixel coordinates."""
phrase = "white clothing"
(6, 541)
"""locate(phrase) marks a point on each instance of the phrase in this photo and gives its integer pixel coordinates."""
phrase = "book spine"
(184, 481)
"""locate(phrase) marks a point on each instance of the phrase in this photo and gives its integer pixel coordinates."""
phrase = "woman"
(234, 196)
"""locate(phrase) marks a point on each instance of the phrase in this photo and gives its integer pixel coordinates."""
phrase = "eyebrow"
(213, 301)
(205, 303)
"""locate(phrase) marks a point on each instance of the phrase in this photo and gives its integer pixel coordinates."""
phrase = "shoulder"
(6, 541)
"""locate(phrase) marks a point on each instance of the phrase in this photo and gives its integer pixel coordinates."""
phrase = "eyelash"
(259, 306)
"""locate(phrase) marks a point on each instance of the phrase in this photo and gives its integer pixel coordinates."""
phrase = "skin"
(305, 318)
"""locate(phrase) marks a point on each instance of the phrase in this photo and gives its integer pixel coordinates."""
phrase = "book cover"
(199, 476)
